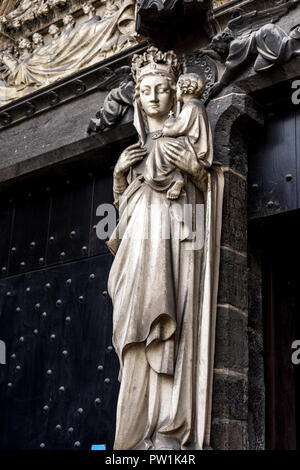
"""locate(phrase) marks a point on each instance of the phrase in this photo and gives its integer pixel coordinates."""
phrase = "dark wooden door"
(281, 294)
(59, 388)
(274, 212)
(274, 163)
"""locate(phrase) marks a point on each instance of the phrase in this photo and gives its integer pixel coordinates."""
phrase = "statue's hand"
(128, 158)
(182, 158)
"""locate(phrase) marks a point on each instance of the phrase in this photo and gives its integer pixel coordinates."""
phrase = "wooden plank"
(273, 167)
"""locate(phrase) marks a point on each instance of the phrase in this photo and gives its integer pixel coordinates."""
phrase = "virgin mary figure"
(164, 278)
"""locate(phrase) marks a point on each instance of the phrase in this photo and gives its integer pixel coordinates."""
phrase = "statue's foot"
(175, 191)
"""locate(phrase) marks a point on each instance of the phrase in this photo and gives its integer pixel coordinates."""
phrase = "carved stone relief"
(254, 37)
(65, 47)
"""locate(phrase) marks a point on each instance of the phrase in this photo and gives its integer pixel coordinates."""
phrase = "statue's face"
(68, 19)
(24, 44)
(86, 8)
(37, 39)
(156, 96)
(53, 29)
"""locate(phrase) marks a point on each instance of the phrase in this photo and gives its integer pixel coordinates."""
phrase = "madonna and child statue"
(164, 277)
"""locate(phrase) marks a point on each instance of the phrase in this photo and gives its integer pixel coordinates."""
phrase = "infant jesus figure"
(160, 173)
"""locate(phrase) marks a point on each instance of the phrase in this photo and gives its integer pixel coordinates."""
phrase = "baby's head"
(189, 85)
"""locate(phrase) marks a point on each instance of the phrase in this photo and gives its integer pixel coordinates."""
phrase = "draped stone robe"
(164, 292)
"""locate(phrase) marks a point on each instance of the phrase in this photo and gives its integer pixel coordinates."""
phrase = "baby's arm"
(183, 124)
(175, 127)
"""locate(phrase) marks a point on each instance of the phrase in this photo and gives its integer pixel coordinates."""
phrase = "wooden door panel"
(59, 388)
(103, 186)
(6, 215)
(70, 218)
(30, 228)
(273, 162)
(68, 347)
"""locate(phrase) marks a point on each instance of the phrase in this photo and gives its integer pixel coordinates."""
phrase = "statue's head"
(190, 85)
(24, 44)
(37, 39)
(221, 41)
(155, 74)
(68, 20)
(53, 30)
(87, 8)
(156, 95)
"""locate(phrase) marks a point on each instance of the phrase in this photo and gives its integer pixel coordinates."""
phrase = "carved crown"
(154, 61)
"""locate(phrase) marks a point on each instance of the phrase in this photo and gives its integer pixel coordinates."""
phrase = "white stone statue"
(89, 10)
(37, 40)
(25, 10)
(160, 173)
(164, 278)
(24, 46)
(69, 23)
(23, 6)
(54, 32)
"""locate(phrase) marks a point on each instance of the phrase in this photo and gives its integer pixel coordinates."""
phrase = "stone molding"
(102, 76)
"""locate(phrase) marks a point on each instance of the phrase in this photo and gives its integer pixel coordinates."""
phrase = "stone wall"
(256, 391)
(231, 115)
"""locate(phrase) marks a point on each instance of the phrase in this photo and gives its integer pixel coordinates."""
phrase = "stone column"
(232, 116)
